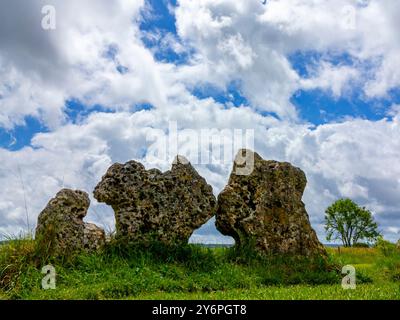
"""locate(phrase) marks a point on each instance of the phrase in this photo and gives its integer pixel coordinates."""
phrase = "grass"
(193, 272)
(295, 292)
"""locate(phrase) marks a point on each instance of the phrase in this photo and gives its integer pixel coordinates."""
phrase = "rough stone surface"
(93, 237)
(153, 206)
(61, 228)
(265, 209)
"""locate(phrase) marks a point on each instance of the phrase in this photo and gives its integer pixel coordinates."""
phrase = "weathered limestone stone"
(153, 206)
(265, 209)
(61, 228)
(93, 237)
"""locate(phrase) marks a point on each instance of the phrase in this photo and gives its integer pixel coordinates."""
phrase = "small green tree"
(349, 223)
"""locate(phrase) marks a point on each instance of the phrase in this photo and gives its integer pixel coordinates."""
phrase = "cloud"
(340, 160)
(247, 43)
(41, 69)
(264, 36)
(331, 78)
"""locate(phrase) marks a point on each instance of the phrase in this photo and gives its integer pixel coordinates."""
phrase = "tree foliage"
(349, 223)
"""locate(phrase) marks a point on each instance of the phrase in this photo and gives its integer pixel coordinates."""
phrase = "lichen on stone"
(60, 229)
(265, 209)
(153, 206)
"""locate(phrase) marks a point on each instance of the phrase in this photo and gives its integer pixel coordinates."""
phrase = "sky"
(317, 82)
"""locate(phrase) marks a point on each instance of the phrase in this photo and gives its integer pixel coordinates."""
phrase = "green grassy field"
(193, 272)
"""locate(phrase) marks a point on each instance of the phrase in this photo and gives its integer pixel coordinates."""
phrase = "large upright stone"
(61, 229)
(153, 206)
(265, 209)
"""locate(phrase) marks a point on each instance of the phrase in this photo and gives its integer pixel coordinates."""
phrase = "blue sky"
(76, 99)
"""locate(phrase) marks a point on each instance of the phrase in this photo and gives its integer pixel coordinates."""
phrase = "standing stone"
(153, 206)
(61, 229)
(265, 209)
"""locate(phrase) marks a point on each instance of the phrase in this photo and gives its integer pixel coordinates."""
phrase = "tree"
(349, 223)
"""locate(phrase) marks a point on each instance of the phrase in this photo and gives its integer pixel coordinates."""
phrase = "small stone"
(61, 229)
(94, 237)
(264, 209)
